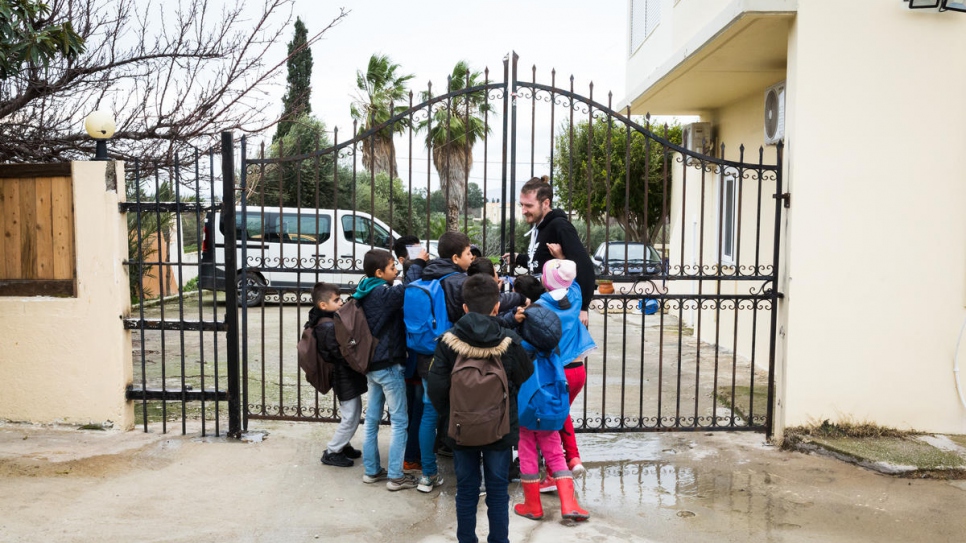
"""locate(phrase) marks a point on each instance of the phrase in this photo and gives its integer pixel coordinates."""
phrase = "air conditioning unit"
(775, 113)
(697, 138)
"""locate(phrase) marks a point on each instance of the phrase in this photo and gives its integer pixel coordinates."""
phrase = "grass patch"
(882, 448)
(959, 440)
(742, 401)
(897, 451)
(848, 429)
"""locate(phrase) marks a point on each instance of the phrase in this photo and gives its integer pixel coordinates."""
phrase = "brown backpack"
(318, 371)
(356, 342)
(479, 401)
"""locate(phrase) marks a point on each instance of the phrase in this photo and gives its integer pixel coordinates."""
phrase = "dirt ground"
(68, 485)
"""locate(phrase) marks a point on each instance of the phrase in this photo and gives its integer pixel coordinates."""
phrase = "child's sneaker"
(428, 482)
(402, 483)
(351, 452)
(412, 466)
(548, 484)
(338, 460)
(381, 476)
(576, 467)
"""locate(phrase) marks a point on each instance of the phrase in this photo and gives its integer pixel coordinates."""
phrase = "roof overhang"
(730, 58)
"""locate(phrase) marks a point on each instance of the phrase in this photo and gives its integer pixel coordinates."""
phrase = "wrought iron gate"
(685, 342)
(186, 363)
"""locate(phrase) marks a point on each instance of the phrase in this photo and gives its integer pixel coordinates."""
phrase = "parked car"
(627, 258)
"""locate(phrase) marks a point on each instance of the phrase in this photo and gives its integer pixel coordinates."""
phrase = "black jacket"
(346, 382)
(383, 307)
(480, 331)
(555, 228)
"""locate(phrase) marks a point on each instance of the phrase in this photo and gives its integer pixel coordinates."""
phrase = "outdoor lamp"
(100, 126)
(923, 4)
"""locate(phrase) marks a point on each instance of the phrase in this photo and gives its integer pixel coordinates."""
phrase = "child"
(382, 304)
(576, 374)
(348, 385)
(563, 297)
(414, 385)
(529, 287)
(450, 268)
(479, 333)
(401, 249)
(509, 301)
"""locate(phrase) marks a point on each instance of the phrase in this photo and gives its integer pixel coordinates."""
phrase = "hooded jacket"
(480, 335)
(555, 228)
(346, 382)
(383, 306)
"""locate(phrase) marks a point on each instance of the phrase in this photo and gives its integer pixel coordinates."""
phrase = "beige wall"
(877, 242)
(69, 359)
(874, 246)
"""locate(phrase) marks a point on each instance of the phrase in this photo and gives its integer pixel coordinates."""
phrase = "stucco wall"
(877, 237)
(69, 359)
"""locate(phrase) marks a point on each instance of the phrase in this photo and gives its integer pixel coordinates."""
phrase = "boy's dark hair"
(375, 259)
(322, 292)
(480, 294)
(529, 286)
(399, 248)
(541, 186)
(452, 244)
(481, 266)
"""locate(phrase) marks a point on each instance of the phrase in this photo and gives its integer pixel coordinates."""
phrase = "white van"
(292, 248)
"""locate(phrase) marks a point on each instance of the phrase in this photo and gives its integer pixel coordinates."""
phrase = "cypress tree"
(299, 88)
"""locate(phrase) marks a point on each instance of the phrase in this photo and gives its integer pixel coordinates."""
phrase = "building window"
(645, 16)
(727, 215)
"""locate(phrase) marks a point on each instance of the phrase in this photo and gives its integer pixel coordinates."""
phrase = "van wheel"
(255, 289)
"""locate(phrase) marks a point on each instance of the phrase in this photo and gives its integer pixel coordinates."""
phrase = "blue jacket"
(576, 341)
(383, 307)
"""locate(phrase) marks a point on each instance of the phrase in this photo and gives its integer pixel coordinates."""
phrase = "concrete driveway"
(67, 485)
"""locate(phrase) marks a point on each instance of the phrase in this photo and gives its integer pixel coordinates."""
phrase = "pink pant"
(549, 443)
(576, 379)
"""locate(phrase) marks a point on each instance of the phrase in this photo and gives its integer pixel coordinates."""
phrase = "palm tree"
(452, 130)
(381, 95)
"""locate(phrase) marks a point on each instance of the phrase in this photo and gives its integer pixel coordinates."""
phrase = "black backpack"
(318, 371)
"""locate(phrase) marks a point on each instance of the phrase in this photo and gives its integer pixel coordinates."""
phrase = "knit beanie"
(558, 274)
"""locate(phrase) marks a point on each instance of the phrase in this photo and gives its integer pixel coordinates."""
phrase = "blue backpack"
(424, 313)
(543, 402)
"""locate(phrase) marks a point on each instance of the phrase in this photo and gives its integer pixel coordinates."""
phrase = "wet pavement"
(63, 484)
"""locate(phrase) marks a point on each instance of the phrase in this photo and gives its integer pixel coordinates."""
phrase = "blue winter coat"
(576, 341)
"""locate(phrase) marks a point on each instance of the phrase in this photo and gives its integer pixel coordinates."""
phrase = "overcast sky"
(427, 38)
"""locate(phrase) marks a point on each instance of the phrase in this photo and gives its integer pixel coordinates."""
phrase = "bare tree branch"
(174, 73)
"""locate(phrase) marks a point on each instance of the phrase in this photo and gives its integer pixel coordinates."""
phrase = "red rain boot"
(548, 484)
(531, 508)
(569, 508)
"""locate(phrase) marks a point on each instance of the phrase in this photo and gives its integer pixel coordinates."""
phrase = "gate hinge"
(786, 199)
